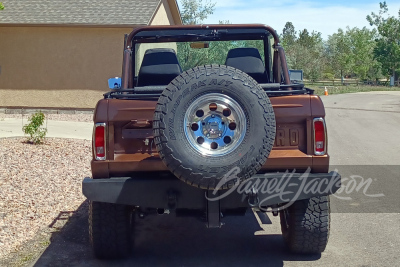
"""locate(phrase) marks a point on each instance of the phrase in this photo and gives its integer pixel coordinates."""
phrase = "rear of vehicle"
(208, 124)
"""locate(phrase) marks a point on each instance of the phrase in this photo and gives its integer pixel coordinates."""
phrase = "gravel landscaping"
(38, 183)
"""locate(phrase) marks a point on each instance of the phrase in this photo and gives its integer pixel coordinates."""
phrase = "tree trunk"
(394, 77)
(341, 76)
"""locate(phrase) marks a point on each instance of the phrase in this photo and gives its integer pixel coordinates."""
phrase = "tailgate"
(131, 147)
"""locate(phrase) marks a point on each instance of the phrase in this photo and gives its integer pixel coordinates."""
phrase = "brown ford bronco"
(206, 122)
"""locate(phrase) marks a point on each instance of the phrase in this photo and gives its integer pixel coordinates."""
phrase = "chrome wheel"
(215, 124)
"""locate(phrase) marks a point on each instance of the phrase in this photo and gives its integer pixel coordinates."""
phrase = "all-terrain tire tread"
(165, 152)
(110, 230)
(309, 225)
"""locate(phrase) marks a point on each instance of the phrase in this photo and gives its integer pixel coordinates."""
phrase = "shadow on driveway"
(170, 241)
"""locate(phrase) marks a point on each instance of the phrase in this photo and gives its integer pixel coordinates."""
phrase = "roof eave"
(154, 13)
(83, 25)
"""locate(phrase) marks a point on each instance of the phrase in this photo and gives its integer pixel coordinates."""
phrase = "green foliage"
(354, 52)
(195, 11)
(1, 6)
(350, 53)
(189, 57)
(347, 52)
(339, 54)
(216, 53)
(288, 37)
(362, 46)
(34, 128)
(387, 49)
(304, 51)
(328, 76)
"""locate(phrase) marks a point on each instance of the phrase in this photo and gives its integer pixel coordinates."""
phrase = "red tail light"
(99, 141)
(319, 137)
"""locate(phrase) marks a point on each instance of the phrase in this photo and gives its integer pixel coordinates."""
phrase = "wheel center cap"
(213, 127)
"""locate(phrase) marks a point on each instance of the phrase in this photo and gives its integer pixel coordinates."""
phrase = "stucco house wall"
(62, 65)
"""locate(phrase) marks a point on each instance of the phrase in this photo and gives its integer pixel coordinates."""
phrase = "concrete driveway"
(364, 131)
(65, 129)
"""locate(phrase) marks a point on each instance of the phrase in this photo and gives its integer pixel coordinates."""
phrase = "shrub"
(328, 76)
(34, 129)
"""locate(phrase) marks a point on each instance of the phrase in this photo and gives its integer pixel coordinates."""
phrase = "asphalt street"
(363, 132)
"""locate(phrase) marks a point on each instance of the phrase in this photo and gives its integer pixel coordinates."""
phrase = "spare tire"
(211, 119)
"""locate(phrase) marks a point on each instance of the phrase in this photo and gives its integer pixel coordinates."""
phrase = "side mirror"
(114, 83)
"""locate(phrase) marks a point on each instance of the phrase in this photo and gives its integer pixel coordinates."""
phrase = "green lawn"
(319, 90)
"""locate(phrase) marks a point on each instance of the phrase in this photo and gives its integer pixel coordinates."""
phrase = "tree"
(195, 11)
(339, 53)
(350, 52)
(288, 36)
(288, 41)
(362, 43)
(304, 51)
(310, 54)
(387, 49)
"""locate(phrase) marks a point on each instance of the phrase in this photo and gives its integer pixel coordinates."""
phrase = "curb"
(23, 110)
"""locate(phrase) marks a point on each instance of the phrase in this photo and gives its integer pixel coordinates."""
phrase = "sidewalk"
(63, 129)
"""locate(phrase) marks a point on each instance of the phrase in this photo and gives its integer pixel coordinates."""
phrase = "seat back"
(159, 67)
(248, 60)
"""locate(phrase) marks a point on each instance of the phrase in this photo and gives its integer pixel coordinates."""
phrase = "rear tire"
(110, 229)
(305, 225)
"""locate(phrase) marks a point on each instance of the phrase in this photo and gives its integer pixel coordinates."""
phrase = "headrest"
(249, 61)
(159, 67)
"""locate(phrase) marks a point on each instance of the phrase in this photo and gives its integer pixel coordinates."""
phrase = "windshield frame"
(192, 33)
